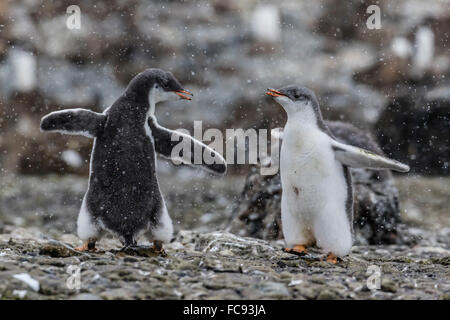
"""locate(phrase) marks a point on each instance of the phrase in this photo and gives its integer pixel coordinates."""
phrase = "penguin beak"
(274, 93)
(184, 94)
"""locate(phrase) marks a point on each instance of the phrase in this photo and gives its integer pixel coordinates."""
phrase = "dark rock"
(385, 73)
(415, 128)
(444, 261)
(347, 21)
(388, 286)
(57, 251)
(140, 251)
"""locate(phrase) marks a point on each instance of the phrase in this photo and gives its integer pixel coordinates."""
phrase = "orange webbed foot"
(332, 258)
(87, 246)
(298, 249)
(158, 247)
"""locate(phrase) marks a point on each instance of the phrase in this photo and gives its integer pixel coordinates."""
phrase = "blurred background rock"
(393, 81)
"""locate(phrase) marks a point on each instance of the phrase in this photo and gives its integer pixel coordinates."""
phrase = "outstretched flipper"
(361, 158)
(166, 139)
(75, 122)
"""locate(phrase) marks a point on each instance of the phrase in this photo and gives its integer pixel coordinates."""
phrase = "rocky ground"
(37, 240)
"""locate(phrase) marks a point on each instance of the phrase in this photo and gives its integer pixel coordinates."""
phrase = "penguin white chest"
(309, 169)
(314, 191)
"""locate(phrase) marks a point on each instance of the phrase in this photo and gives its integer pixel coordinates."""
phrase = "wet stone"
(57, 251)
(388, 286)
(141, 251)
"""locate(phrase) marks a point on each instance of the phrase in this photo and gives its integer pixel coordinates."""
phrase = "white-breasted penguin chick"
(123, 195)
(317, 196)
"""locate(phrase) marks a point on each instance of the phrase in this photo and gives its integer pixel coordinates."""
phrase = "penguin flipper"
(75, 122)
(166, 140)
(361, 158)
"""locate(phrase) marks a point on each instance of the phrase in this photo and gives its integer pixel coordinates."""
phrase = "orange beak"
(183, 94)
(274, 93)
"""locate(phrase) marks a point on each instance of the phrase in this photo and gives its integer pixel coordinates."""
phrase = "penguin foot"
(332, 258)
(158, 247)
(87, 246)
(298, 249)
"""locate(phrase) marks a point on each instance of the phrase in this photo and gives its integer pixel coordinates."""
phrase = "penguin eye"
(165, 84)
(297, 96)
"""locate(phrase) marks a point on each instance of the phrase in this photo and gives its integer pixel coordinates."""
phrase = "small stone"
(86, 296)
(275, 289)
(56, 251)
(141, 251)
(445, 296)
(388, 286)
(327, 295)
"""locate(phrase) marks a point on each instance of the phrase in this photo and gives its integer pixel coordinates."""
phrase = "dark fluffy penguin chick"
(123, 195)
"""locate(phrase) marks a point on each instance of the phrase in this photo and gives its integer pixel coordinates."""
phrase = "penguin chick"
(317, 198)
(123, 195)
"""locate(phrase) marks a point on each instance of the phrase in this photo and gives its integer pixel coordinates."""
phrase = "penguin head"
(295, 99)
(166, 87)
(159, 85)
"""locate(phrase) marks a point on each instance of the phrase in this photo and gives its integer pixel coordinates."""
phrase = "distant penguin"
(317, 197)
(123, 195)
